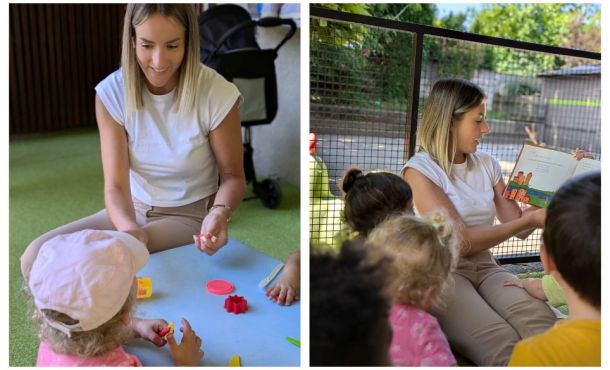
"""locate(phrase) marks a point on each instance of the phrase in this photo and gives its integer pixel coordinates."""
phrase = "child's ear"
(547, 260)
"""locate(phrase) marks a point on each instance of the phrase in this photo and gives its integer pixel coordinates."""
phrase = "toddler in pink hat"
(82, 285)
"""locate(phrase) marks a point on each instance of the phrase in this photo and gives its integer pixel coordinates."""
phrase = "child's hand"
(513, 282)
(284, 292)
(532, 286)
(286, 289)
(580, 154)
(188, 352)
(147, 329)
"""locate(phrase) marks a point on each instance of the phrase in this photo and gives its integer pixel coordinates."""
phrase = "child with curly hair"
(422, 255)
(83, 290)
(349, 309)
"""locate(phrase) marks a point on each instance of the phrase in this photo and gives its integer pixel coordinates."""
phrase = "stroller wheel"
(270, 193)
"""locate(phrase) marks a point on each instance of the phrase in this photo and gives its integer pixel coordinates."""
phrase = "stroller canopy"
(228, 45)
(223, 28)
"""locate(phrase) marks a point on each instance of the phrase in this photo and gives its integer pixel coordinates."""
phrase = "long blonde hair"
(98, 341)
(133, 77)
(422, 254)
(449, 99)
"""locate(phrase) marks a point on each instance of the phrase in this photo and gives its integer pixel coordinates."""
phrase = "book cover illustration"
(540, 171)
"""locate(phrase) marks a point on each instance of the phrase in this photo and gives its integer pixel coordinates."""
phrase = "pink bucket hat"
(86, 275)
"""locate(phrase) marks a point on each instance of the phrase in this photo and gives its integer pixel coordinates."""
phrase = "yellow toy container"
(144, 287)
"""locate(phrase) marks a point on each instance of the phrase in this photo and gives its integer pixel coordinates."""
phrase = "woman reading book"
(483, 320)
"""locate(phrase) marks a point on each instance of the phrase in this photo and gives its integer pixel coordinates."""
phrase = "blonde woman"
(483, 320)
(170, 133)
(421, 255)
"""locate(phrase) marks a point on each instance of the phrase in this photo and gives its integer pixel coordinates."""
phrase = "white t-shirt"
(470, 190)
(170, 159)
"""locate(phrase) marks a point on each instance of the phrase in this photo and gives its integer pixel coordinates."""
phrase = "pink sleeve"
(401, 339)
(116, 357)
(418, 339)
(126, 359)
(436, 350)
(131, 362)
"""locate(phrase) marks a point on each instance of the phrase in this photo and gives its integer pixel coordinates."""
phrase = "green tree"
(369, 66)
(364, 66)
(584, 28)
(336, 57)
(387, 54)
(452, 21)
(345, 33)
(414, 13)
(538, 23)
(392, 50)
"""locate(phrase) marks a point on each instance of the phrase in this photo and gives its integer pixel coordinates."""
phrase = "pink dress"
(418, 339)
(116, 357)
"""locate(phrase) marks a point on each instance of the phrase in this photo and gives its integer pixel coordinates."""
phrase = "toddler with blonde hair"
(421, 254)
(83, 289)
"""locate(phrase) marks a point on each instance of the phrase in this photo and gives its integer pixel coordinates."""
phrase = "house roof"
(589, 69)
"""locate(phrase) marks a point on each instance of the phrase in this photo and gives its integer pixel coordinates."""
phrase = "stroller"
(228, 45)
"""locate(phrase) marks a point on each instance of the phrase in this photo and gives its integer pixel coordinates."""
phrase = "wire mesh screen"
(358, 111)
(360, 79)
(546, 99)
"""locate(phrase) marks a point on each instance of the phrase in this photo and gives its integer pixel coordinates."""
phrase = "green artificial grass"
(532, 275)
(57, 179)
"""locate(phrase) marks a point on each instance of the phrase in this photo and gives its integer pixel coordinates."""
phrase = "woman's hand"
(214, 231)
(188, 352)
(148, 329)
(580, 154)
(535, 215)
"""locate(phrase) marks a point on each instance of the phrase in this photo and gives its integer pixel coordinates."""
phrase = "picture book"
(540, 171)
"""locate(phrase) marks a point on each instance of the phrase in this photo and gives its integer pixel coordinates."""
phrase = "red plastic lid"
(219, 287)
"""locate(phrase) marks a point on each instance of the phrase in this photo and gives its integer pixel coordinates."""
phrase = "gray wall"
(573, 126)
(277, 145)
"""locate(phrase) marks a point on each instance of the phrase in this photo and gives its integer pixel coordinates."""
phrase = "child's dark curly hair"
(349, 309)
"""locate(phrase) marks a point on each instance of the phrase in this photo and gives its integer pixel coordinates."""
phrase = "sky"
(444, 9)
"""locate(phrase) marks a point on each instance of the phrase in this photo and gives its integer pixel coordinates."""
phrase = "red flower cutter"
(236, 304)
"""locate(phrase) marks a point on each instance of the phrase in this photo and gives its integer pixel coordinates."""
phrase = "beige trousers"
(484, 319)
(167, 227)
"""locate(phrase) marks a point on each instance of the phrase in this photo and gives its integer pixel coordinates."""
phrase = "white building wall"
(277, 145)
